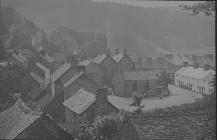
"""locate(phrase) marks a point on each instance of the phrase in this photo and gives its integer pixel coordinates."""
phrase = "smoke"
(36, 40)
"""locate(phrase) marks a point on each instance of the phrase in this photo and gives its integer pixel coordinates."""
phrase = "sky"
(154, 3)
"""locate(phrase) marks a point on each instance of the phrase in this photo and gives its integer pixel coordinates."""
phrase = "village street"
(177, 96)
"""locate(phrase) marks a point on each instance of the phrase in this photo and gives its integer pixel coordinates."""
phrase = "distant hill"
(140, 30)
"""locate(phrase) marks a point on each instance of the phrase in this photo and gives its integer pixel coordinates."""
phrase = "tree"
(137, 101)
(102, 129)
(205, 7)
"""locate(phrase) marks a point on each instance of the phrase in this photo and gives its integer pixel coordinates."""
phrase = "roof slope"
(15, 119)
(99, 58)
(197, 73)
(44, 129)
(118, 57)
(80, 101)
(178, 59)
(60, 71)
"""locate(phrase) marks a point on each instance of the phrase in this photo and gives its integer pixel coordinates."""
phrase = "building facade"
(195, 78)
(127, 83)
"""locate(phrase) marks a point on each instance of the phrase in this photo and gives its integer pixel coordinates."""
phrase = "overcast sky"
(151, 3)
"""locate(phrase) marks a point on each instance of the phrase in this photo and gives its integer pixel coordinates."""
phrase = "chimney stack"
(117, 51)
(206, 67)
(73, 59)
(139, 60)
(125, 52)
(185, 64)
(195, 65)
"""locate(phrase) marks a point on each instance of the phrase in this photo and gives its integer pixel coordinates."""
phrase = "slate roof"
(118, 57)
(197, 73)
(26, 53)
(36, 77)
(139, 75)
(44, 129)
(19, 57)
(171, 127)
(178, 60)
(84, 63)
(42, 67)
(99, 58)
(48, 58)
(80, 101)
(68, 74)
(73, 78)
(60, 71)
(15, 119)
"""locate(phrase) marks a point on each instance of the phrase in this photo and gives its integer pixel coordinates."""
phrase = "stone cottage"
(124, 61)
(108, 66)
(85, 106)
(127, 84)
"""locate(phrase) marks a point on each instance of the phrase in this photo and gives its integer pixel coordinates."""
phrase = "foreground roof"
(15, 119)
(80, 101)
(44, 129)
(197, 73)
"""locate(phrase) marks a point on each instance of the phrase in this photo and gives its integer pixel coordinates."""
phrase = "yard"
(178, 96)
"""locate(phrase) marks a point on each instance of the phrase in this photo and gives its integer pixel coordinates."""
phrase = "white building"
(195, 78)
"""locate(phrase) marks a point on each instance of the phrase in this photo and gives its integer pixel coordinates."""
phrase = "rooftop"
(80, 101)
(48, 58)
(34, 92)
(99, 58)
(178, 59)
(58, 57)
(197, 73)
(118, 57)
(73, 78)
(60, 71)
(36, 77)
(42, 67)
(84, 63)
(15, 119)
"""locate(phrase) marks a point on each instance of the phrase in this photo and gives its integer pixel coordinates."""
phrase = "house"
(108, 66)
(93, 70)
(124, 61)
(22, 122)
(140, 82)
(204, 59)
(195, 78)
(86, 106)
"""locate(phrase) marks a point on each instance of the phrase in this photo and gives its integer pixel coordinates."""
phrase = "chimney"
(101, 95)
(169, 56)
(206, 67)
(185, 64)
(139, 60)
(149, 60)
(125, 52)
(117, 51)
(195, 65)
(74, 60)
